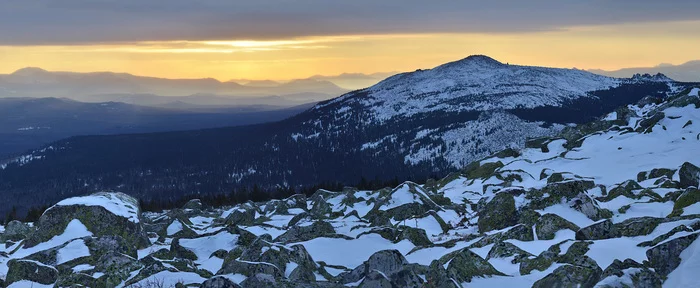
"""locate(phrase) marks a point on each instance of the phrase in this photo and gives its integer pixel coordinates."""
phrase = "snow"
(692, 209)
(82, 267)
(27, 283)
(169, 279)
(537, 247)
(694, 92)
(290, 268)
(174, 227)
(73, 250)
(74, 229)
(604, 252)
(113, 202)
(510, 281)
(351, 253)
(237, 278)
(204, 247)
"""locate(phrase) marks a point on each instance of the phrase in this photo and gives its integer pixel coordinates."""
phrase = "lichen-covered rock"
(499, 213)
(540, 263)
(666, 256)
(555, 193)
(464, 265)
(570, 276)
(219, 282)
(181, 252)
(194, 204)
(637, 226)
(597, 231)
(259, 280)
(437, 276)
(687, 198)
(241, 217)
(116, 267)
(507, 249)
(548, 225)
(624, 189)
(303, 233)
(34, 271)
(103, 214)
(375, 279)
(385, 261)
(689, 175)
(617, 273)
(477, 170)
(408, 278)
(16, 231)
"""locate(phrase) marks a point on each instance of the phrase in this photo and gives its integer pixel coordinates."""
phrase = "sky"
(284, 39)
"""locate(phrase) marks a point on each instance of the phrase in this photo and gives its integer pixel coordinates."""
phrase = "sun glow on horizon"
(594, 47)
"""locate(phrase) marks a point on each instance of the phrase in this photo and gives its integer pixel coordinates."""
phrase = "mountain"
(409, 126)
(29, 123)
(39, 83)
(609, 203)
(355, 81)
(688, 72)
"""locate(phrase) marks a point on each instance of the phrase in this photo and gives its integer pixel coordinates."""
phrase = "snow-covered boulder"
(16, 230)
(499, 213)
(219, 282)
(29, 270)
(103, 214)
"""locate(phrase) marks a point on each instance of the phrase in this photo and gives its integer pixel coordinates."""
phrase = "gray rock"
(437, 276)
(385, 261)
(219, 282)
(259, 280)
(549, 224)
(597, 231)
(194, 204)
(465, 265)
(499, 213)
(97, 219)
(506, 249)
(16, 231)
(117, 268)
(375, 279)
(689, 175)
(238, 217)
(407, 278)
(642, 278)
(30, 270)
(666, 256)
(304, 233)
(570, 276)
(637, 226)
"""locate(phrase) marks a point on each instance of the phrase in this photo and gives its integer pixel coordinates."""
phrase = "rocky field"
(612, 203)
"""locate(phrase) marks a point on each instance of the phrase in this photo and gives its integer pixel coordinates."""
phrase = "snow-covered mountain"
(610, 203)
(410, 126)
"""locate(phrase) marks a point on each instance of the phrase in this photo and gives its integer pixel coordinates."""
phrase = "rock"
(689, 175)
(555, 193)
(506, 249)
(549, 224)
(465, 265)
(570, 276)
(689, 197)
(375, 279)
(34, 271)
(76, 280)
(499, 213)
(259, 280)
(624, 189)
(181, 252)
(437, 276)
(16, 231)
(540, 263)
(117, 267)
(406, 277)
(648, 123)
(586, 205)
(194, 204)
(385, 261)
(666, 256)
(417, 236)
(219, 282)
(241, 217)
(304, 233)
(637, 226)
(641, 276)
(597, 231)
(97, 213)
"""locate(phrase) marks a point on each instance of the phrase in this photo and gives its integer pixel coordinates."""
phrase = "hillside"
(409, 126)
(29, 123)
(610, 203)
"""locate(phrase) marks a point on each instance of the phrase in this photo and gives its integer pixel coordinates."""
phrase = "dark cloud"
(81, 21)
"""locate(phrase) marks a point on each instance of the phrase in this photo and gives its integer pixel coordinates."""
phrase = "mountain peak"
(29, 71)
(480, 59)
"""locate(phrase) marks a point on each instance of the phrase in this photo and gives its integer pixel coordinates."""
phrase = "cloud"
(89, 21)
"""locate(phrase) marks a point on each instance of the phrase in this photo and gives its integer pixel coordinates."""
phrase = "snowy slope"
(616, 205)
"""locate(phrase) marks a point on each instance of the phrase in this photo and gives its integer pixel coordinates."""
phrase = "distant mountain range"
(410, 126)
(139, 90)
(686, 72)
(351, 81)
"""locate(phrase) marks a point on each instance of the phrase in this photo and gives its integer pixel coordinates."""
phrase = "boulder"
(303, 233)
(259, 280)
(244, 217)
(386, 261)
(103, 214)
(637, 226)
(219, 282)
(16, 231)
(506, 249)
(465, 265)
(437, 276)
(499, 213)
(641, 276)
(597, 231)
(570, 276)
(689, 175)
(666, 256)
(687, 198)
(375, 279)
(34, 271)
(549, 224)
(194, 204)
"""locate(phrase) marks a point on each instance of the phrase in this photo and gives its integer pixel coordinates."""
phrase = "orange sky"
(606, 47)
